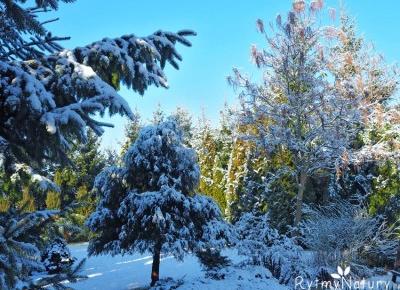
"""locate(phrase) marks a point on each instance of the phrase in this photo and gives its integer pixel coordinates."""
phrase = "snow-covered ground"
(133, 272)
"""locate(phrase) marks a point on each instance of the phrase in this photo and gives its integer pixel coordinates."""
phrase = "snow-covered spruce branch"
(57, 94)
(57, 281)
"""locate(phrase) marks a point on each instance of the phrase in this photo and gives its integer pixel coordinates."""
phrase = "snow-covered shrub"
(57, 257)
(213, 262)
(345, 232)
(20, 257)
(263, 245)
(150, 203)
(20, 254)
(212, 259)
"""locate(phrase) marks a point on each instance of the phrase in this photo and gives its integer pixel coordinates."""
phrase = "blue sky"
(225, 28)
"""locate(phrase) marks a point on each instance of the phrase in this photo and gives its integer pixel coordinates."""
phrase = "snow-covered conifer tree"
(363, 72)
(206, 148)
(234, 177)
(184, 119)
(150, 203)
(22, 33)
(223, 142)
(252, 192)
(213, 147)
(373, 173)
(20, 251)
(296, 107)
(131, 132)
(158, 115)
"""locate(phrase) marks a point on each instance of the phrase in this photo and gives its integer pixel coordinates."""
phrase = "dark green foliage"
(10, 192)
(386, 191)
(252, 189)
(87, 161)
(76, 182)
(280, 204)
(212, 260)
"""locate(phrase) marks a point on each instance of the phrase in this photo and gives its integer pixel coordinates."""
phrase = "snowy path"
(132, 272)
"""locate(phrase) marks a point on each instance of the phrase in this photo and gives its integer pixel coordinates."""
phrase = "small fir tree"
(150, 203)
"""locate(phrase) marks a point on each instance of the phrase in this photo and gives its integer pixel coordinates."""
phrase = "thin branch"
(50, 20)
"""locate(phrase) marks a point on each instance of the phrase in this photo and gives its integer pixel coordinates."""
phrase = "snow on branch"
(52, 99)
(135, 61)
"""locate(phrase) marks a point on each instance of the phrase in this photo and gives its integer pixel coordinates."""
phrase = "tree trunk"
(299, 198)
(155, 269)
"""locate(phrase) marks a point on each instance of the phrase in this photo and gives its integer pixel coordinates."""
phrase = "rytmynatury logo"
(342, 280)
(340, 273)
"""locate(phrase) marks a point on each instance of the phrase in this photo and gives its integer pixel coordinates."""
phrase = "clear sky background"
(226, 29)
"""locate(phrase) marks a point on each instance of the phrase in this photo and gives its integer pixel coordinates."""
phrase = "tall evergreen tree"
(131, 132)
(184, 120)
(280, 189)
(206, 148)
(252, 195)
(158, 115)
(239, 157)
(224, 143)
(87, 161)
(296, 108)
(213, 147)
(365, 72)
(155, 190)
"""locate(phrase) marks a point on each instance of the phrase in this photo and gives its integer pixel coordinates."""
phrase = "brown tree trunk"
(155, 269)
(299, 198)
